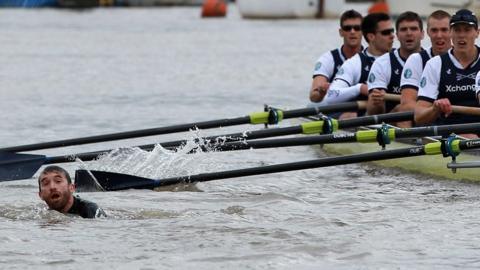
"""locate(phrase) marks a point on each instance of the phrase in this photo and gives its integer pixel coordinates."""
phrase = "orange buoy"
(214, 8)
(379, 6)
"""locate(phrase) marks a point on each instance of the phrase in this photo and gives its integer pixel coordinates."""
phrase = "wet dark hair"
(370, 23)
(54, 168)
(409, 16)
(350, 14)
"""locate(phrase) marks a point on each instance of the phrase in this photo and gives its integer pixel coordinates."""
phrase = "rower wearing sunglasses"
(439, 32)
(350, 82)
(328, 64)
(449, 79)
(387, 69)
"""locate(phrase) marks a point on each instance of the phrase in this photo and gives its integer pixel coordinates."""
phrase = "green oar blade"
(19, 166)
(110, 181)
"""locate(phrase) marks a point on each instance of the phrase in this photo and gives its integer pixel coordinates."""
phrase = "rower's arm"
(376, 101)
(408, 100)
(410, 82)
(319, 88)
(378, 80)
(425, 112)
(324, 69)
(347, 86)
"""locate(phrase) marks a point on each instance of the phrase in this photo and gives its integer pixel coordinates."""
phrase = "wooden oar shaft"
(466, 110)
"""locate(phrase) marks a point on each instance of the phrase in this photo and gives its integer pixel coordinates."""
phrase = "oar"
(273, 116)
(455, 108)
(382, 136)
(110, 181)
(14, 166)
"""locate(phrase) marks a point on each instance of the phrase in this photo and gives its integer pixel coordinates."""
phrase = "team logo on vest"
(407, 74)
(318, 66)
(371, 78)
(340, 71)
(423, 82)
(469, 76)
(460, 88)
(397, 71)
(449, 71)
(367, 68)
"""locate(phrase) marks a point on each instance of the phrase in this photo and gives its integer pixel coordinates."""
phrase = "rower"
(328, 64)
(387, 69)
(350, 82)
(449, 79)
(439, 33)
(55, 187)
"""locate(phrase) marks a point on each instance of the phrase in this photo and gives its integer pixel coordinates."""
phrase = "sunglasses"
(348, 28)
(386, 32)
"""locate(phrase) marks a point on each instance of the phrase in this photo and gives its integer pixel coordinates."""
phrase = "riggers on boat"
(431, 165)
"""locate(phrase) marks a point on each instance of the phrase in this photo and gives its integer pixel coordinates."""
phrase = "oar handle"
(455, 108)
(392, 97)
(466, 110)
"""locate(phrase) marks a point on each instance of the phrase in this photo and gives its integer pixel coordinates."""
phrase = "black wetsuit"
(85, 209)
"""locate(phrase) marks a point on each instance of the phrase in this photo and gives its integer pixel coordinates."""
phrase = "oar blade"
(110, 181)
(15, 166)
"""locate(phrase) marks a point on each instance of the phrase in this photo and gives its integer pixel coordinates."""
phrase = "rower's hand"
(364, 90)
(319, 92)
(443, 106)
(377, 96)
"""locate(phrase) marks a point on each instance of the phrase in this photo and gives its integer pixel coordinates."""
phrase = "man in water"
(55, 187)
(329, 63)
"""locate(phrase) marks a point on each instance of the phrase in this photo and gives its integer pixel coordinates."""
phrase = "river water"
(67, 74)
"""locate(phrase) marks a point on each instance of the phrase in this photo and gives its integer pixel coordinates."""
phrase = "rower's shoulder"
(434, 62)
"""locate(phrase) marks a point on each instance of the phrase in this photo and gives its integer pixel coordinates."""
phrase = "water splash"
(195, 156)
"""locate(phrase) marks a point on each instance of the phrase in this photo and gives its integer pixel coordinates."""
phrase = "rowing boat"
(431, 165)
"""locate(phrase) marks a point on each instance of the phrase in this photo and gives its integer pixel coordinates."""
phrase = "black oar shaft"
(179, 128)
(129, 134)
(323, 162)
(339, 107)
(375, 119)
(287, 142)
(438, 130)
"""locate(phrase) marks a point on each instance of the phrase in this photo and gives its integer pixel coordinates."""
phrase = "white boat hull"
(425, 8)
(163, 2)
(278, 9)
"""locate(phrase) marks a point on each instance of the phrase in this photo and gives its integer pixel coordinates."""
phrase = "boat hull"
(425, 8)
(431, 165)
(278, 9)
(291, 9)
